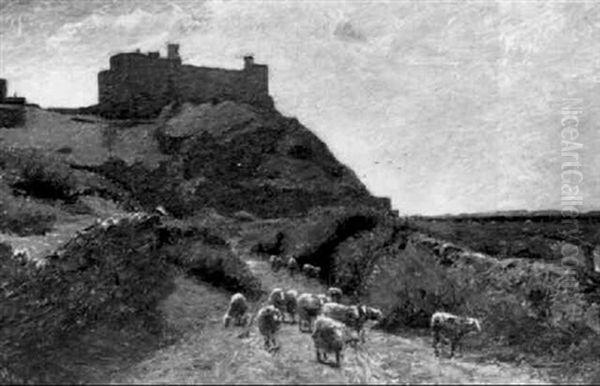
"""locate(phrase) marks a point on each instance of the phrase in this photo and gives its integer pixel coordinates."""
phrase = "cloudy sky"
(446, 106)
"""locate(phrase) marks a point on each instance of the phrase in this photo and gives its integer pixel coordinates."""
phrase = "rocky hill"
(227, 156)
(136, 232)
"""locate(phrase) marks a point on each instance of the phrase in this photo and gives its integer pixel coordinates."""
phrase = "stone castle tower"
(139, 85)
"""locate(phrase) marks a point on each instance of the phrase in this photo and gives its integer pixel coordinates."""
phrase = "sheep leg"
(318, 356)
(338, 358)
(361, 334)
(454, 347)
(436, 341)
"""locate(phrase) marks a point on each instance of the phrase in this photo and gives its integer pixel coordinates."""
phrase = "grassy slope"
(64, 229)
(91, 143)
(208, 353)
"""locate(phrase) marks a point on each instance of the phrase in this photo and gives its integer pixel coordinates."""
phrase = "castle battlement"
(140, 85)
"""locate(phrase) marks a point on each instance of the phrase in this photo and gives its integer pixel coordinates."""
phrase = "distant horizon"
(508, 212)
(444, 107)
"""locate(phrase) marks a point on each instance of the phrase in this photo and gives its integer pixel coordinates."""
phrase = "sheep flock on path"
(332, 325)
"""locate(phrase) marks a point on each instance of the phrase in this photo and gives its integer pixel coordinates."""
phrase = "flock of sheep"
(332, 325)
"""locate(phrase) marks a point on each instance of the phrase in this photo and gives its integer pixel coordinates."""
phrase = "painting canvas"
(327, 191)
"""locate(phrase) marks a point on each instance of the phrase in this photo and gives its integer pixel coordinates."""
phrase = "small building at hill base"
(12, 109)
(139, 85)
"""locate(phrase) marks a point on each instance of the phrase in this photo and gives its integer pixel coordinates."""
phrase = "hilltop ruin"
(139, 85)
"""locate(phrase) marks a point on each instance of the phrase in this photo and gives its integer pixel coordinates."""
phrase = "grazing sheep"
(329, 336)
(309, 307)
(238, 306)
(373, 313)
(269, 322)
(292, 266)
(311, 270)
(277, 299)
(161, 210)
(335, 294)
(451, 328)
(351, 316)
(291, 304)
(108, 222)
(368, 313)
(21, 254)
(276, 262)
(324, 298)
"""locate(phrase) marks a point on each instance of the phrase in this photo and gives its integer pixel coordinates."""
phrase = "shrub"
(356, 257)
(173, 231)
(23, 216)
(409, 287)
(46, 180)
(38, 174)
(216, 265)
(109, 275)
(533, 307)
(65, 150)
(151, 187)
(317, 238)
(269, 244)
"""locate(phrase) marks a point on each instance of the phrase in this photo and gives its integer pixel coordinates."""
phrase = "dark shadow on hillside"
(321, 253)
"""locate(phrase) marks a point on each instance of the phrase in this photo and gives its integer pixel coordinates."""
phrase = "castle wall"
(138, 85)
(201, 84)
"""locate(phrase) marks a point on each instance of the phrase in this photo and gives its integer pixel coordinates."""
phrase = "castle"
(139, 85)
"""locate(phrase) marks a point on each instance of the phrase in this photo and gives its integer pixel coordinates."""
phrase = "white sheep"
(373, 313)
(324, 298)
(309, 307)
(276, 263)
(329, 336)
(368, 313)
(238, 306)
(451, 328)
(311, 271)
(291, 304)
(108, 222)
(335, 294)
(161, 210)
(21, 254)
(351, 316)
(269, 322)
(277, 299)
(292, 266)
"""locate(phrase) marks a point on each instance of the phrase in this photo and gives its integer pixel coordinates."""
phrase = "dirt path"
(208, 353)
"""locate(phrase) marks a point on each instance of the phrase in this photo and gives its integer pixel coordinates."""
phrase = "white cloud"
(458, 94)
